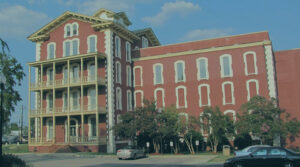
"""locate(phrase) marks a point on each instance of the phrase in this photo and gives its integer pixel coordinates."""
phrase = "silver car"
(248, 150)
(130, 152)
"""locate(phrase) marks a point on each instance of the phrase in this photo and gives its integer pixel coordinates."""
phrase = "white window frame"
(142, 97)
(65, 30)
(198, 68)
(232, 92)
(145, 42)
(72, 100)
(90, 126)
(48, 120)
(141, 75)
(118, 98)
(176, 71)
(233, 114)
(118, 49)
(128, 76)
(66, 128)
(154, 73)
(129, 100)
(200, 94)
(177, 98)
(75, 39)
(72, 30)
(222, 65)
(48, 50)
(90, 107)
(128, 51)
(64, 93)
(163, 96)
(246, 63)
(248, 87)
(71, 72)
(48, 76)
(63, 79)
(118, 72)
(48, 109)
(89, 45)
(89, 71)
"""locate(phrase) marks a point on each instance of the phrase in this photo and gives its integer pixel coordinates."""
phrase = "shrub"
(9, 160)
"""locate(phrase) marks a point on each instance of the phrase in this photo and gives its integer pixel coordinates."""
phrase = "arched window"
(117, 47)
(158, 74)
(92, 44)
(252, 88)
(159, 96)
(75, 73)
(51, 48)
(204, 95)
(181, 101)
(231, 113)
(67, 48)
(138, 76)
(75, 46)
(128, 75)
(118, 98)
(67, 30)
(73, 130)
(118, 72)
(129, 100)
(75, 100)
(49, 125)
(138, 98)
(228, 93)
(128, 51)
(179, 71)
(202, 68)
(75, 29)
(226, 66)
(250, 63)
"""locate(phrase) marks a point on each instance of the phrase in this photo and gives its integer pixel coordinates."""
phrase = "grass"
(14, 148)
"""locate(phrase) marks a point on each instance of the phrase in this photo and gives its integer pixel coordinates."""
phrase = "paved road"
(75, 160)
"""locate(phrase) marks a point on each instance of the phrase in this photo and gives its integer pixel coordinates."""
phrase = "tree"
(261, 118)
(127, 127)
(13, 72)
(217, 125)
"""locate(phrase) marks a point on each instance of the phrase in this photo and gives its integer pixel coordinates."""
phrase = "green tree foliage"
(13, 72)
(264, 120)
(218, 125)
(242, 141)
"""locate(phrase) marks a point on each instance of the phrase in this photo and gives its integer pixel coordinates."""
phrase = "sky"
(173, 21)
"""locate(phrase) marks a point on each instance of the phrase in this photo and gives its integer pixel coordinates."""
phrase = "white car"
(130, 152)
(248, 150)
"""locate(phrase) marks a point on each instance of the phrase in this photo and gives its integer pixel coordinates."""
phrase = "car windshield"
(130, 147)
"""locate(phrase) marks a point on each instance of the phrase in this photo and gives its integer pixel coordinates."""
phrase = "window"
(179, 71)
(75, 105)
(65, 74)
(181, 101)
(67, 30)
(117, 47)
(202, 67)
(118, 98)
(51, 50)
(128, 52)
(159, 95)
(92, 44)
(92, 126)
(158, 74)
(91, 71)
(67, 48)
(49, 124)
(277, 152)
(129, 100)
(252, 88)
(138, 98)
(250, 63)
(260, 152)
(118, 72)
(75, 73)
(232, 113)
(128, 78)
(50, 76)
(138, 73)
(49, 102)
(204, 95)
(75, 29)
(75, 45)
(65, 101)
(92, 98)
(228, 93)
(145, 42)
(226, 69)
(71, 47)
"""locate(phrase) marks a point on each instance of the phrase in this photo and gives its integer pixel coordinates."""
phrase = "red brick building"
(91, 69)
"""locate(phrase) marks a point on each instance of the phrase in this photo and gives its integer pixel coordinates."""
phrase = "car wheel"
(288, 164)
(134, 156)
(238, 165)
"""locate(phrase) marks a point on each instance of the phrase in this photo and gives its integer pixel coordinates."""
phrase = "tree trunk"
(156, 146)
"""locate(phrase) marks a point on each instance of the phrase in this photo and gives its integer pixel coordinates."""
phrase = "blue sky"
(172, 21)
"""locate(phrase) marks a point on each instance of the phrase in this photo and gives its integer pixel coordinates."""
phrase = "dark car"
(266, 157)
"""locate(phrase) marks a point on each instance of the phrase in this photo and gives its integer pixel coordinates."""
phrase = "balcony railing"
(73, 140)
(61, 110)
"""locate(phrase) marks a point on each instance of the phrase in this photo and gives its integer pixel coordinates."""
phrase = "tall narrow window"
(138, 98)
(181, 101)
(65, 74)
(91, 72)
(75, 47)
(252, 88)
(129, 100)
(118, 72)
(128, 52)
(118, 98)
(145, 42)
(50, 75)
(50, 102)
(75, 74)
(75, 100)
(67, 48)
(92, 126)
(92, 43)
(158, 74)
(128, 78)
(68, 30)
(49, 129)
(204, 95)
(179, 71)
(226, 63)
(159, 95)
(65, 101)
(138, 76)
(92, 99)
(228, 93)
(75, 29)
(51, 50)
(202, 66)
(117, 47)
(250, 63)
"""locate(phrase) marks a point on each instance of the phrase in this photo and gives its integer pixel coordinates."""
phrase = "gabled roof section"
(148, 32)
(112, 14)
(43, 33)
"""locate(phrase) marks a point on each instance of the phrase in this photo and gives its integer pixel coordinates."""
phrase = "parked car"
(130, 152)
(266, 157)
(10, 139)
(248, 150)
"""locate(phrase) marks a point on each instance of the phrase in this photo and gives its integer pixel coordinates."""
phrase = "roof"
(114, 15)
(148, 32)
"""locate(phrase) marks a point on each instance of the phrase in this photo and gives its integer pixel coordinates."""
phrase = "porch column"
(54, 130)
(68, 129)
(41, 119)
(82, 128)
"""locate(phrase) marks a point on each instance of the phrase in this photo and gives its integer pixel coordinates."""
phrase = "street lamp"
(2, 82)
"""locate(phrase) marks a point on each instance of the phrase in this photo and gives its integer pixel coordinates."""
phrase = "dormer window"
(71, 30)
(145, 42)
(68, 31)
(75, 29)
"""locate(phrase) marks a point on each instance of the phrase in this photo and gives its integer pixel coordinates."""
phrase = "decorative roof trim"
(148, 32)
(114, 15)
